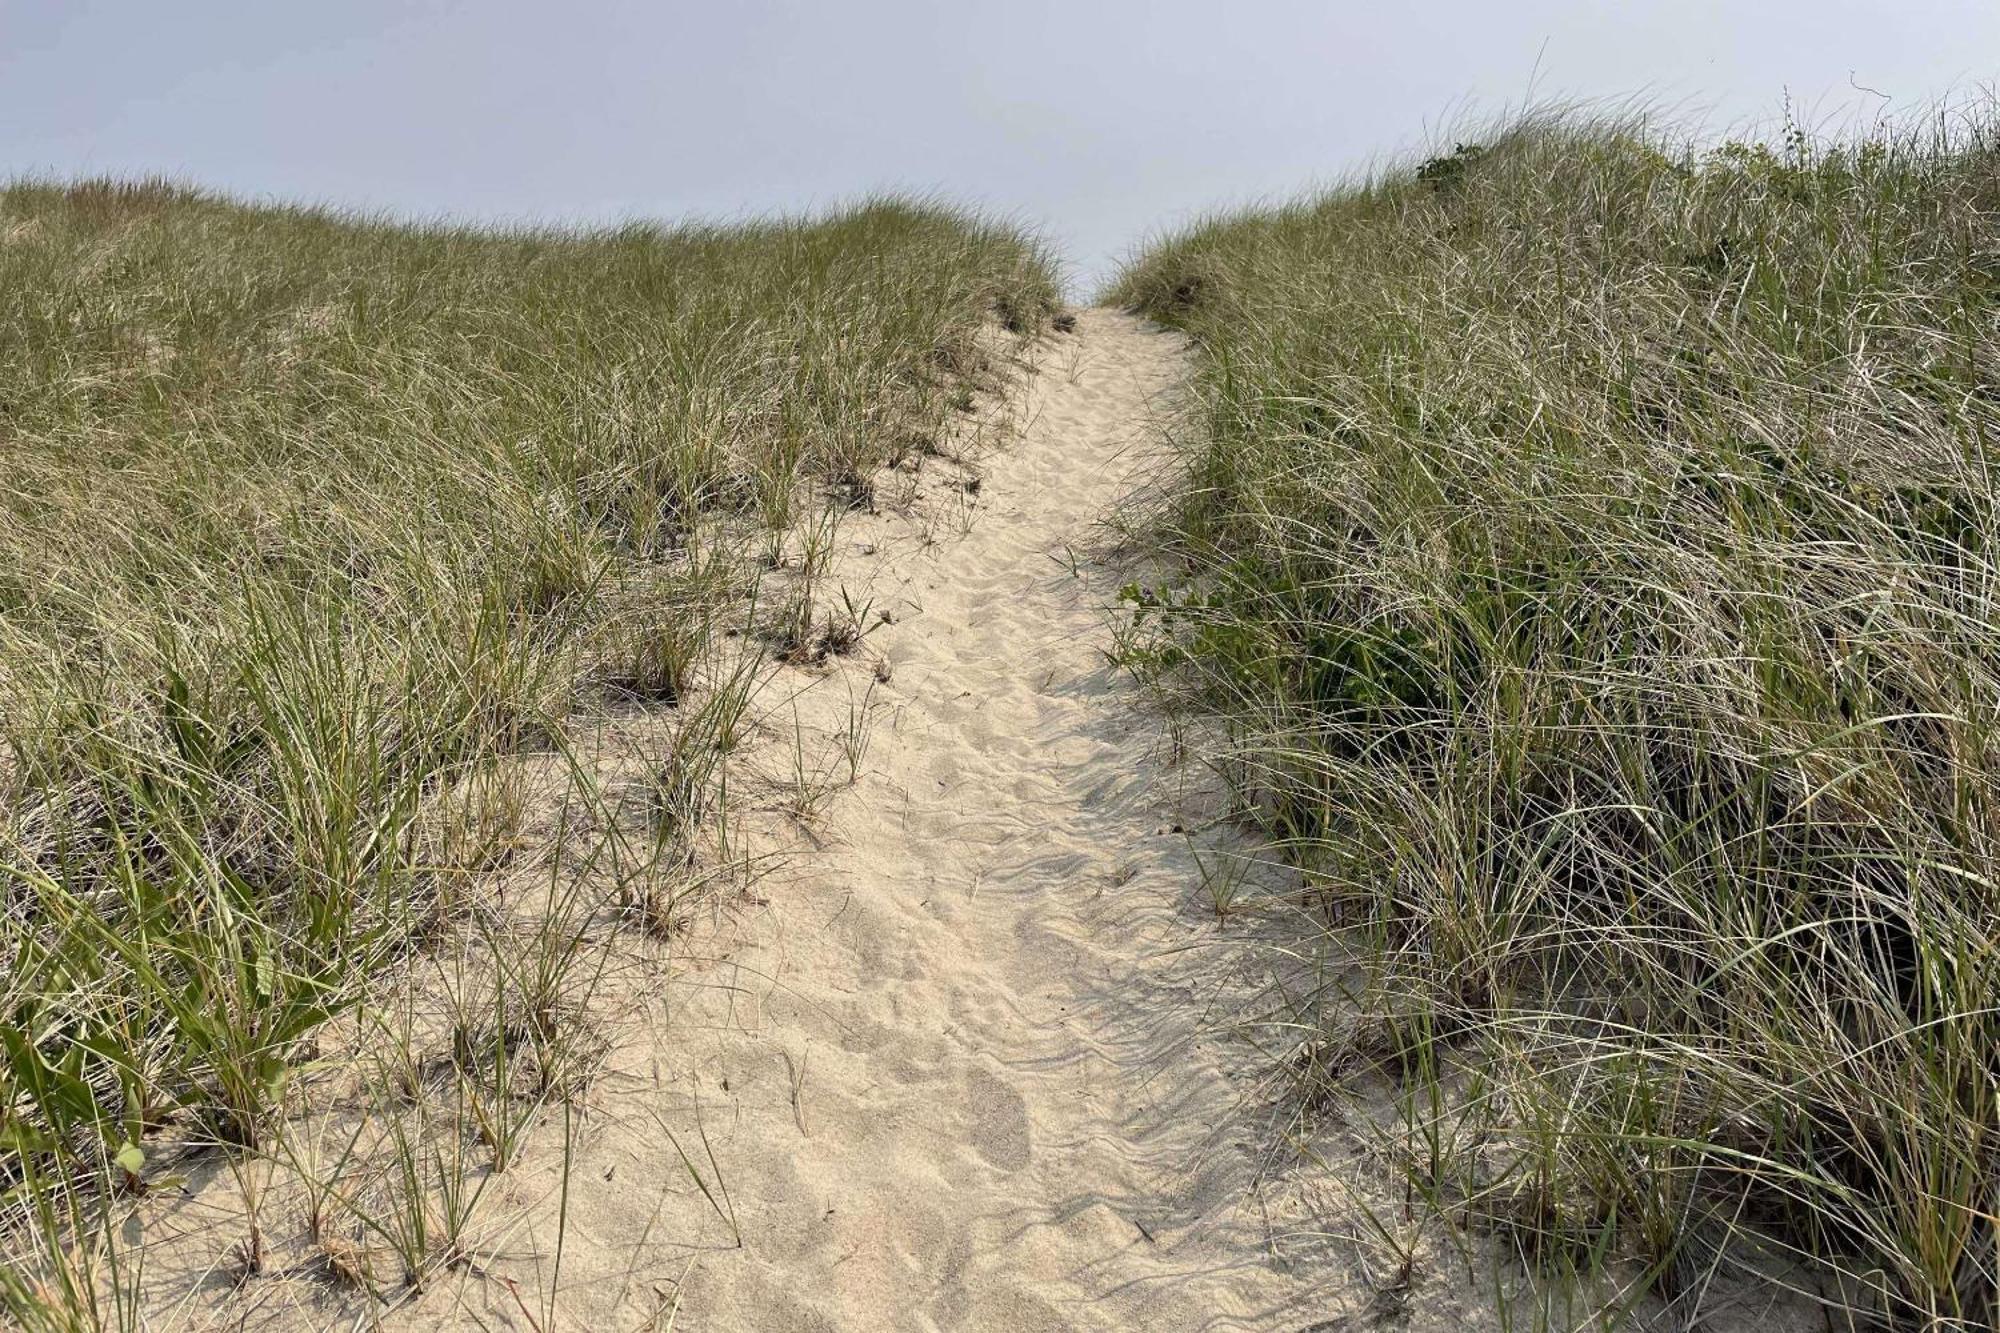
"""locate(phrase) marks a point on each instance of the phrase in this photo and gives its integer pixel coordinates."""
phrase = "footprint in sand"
(1001, 1131)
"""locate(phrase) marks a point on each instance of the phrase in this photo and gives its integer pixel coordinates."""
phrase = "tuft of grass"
(1590, 543)
(308, 523)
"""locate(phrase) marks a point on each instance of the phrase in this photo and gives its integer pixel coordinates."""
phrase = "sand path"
(973, 1055)
(961, 1076)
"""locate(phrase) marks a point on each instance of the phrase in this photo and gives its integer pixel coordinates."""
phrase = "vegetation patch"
(316, 533)
(1590, 543)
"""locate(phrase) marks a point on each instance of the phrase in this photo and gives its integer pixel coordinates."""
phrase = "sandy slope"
(955, 1075)
(973, 1053)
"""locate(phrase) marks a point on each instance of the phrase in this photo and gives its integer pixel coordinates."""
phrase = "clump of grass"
(1590, 541)
(307, 522)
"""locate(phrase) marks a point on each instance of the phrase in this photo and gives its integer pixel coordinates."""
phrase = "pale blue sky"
(1100, 122)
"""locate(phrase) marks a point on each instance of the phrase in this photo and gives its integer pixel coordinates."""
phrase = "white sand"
(1008, 1114)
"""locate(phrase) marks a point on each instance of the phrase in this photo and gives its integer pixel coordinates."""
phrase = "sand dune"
(973, 1052)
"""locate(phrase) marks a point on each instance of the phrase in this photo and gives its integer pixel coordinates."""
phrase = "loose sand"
(959, 1070)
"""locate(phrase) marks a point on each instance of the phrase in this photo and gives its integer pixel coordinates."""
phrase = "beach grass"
(313, 528)
(1587, 541)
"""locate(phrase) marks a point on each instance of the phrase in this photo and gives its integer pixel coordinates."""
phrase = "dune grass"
(1589, 543)
(306, 522)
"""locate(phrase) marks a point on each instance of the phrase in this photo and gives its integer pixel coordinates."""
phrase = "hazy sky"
(1100, 121)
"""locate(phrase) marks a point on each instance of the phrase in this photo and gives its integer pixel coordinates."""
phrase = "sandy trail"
(959, 1077)
(973, 1056)
(977, 1058)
